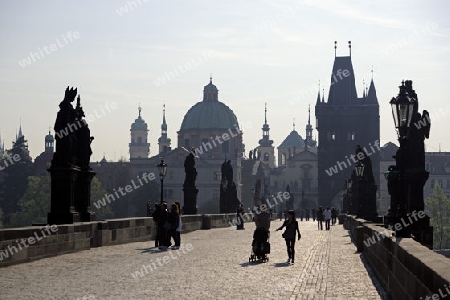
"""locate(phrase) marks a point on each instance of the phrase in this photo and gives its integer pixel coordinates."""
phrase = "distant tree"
(97, 192)
(438, 207)
(35, 203)
(17, 166)
(136, 201)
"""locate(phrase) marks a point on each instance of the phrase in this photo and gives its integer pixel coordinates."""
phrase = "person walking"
(327, 215)
(319, 217)
(333, 216)
(174, 219)
(164, 228)
(180, 226)
(239, 217)
(313, 212)
(291, 225)
(307, 214)
(156, 215)
(302, 212)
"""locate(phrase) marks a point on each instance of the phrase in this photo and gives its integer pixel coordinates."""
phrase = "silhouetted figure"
(83, 138)
(65, 135)
(190, 170)
(320, 218)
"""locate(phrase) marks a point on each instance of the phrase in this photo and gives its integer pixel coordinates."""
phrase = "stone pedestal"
(62, 205)
(83, 195)
(420, 229)
(190, 201)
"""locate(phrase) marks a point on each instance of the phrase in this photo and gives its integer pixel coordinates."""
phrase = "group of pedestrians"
(168, 225)
(328, 215)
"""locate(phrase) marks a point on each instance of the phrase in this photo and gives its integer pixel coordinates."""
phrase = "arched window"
(283, 159)
(266, 156)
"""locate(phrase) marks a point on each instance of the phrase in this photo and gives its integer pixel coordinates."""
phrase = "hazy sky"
(257, 51)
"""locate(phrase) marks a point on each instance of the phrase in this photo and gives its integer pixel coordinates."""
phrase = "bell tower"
(139, 147)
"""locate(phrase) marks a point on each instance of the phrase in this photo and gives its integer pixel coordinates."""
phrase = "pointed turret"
(164, 141)
(372, 94)
(318, 95)
(20, 131)
(309, 138)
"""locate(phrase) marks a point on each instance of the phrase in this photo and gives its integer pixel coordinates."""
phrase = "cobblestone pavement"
(213, 264)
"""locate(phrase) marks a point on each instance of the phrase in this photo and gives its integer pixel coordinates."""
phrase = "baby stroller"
(260, 246)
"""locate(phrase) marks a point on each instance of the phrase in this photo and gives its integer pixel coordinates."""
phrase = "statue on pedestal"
(64, 132)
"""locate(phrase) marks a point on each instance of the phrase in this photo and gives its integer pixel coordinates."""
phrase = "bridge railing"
(405, 268)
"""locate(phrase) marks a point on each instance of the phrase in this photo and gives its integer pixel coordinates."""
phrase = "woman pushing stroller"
(291, 225)
(260, 244)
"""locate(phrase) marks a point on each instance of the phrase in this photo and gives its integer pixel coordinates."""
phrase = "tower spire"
(164, 141)
(20, 129)
(265, 141)
(335, 47)
(323, 95)
(265, 114)
(309, 114)
(364, 89)
(164, 113)
(293, 124)
(139, 109)
(318, 94)
(350, 47)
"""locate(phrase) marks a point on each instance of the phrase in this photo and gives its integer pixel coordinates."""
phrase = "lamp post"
(162, 168)
(407, 178)
(359, 171)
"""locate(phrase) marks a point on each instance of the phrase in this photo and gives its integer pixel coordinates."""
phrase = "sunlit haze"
(122, 54)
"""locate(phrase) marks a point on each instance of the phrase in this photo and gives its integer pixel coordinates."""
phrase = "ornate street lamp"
(403, 107)
(359, 168)
(162, 168)
(407, 177)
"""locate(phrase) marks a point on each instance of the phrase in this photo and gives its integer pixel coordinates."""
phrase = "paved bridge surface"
(212, 264)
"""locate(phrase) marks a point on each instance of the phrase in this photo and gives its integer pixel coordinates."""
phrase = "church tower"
(164, 141)
(139, 147)
(265, 148)
(343, 122)
(49, 142)
(309, 138)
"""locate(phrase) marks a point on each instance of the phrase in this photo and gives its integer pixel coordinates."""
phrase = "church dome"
(293, 140)
(209, 113)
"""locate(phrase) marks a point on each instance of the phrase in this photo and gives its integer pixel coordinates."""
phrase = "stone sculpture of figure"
(65, 137)
(191, 171)
(84, 140)
(255, 152)
(258, 156)
(229, 171)
(366, 161)
(250, 155)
